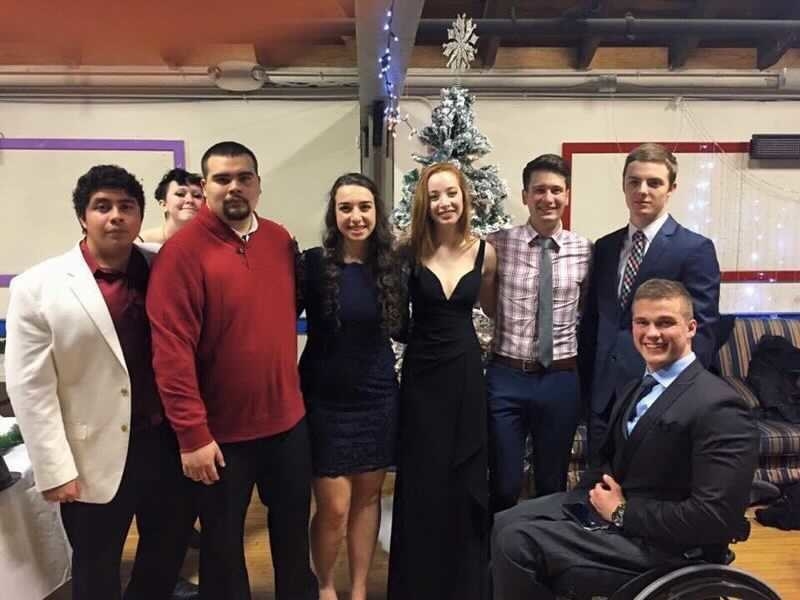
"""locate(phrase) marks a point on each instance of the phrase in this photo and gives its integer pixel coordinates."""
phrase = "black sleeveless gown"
(440, 523)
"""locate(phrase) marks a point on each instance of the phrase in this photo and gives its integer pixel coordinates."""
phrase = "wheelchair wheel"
(707, 582)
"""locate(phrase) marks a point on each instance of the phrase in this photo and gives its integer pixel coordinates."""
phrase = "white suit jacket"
(67, 378)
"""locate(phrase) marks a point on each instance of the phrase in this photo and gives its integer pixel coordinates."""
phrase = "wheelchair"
(696, 580)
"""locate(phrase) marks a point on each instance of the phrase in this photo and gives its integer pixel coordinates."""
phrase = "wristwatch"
(618, 515)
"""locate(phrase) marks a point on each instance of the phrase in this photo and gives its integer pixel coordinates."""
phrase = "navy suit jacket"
(607, 356)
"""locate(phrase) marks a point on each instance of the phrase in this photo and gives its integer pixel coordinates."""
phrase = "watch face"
(618, 514)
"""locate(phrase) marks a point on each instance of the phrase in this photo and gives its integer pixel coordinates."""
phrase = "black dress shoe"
(185, 590)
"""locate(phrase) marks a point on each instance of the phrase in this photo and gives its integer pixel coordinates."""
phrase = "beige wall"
(747, 208)
(301, 147)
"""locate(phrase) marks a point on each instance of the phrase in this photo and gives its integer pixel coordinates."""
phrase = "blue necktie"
(645, 387)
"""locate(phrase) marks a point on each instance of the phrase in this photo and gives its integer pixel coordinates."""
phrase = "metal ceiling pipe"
(629, 25)
(162, 77)
(626, 26)
(343, 82)
(607, 81)
(194, 80)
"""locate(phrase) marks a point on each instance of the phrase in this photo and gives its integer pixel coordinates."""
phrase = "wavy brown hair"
(654, 153)
(381, 259)
(421, 239)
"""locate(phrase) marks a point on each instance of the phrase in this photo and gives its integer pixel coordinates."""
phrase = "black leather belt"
(532, 366)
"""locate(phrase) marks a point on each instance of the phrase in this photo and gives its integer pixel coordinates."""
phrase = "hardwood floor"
(770, 554)
(773, 556)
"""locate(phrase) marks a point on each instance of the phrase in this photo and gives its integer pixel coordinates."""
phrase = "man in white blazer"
(80, 380)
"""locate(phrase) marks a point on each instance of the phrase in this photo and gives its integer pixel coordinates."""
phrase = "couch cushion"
(734, 356)
(779, 470)
(779, 438)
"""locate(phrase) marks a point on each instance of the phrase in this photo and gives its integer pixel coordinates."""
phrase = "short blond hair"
(666, 289)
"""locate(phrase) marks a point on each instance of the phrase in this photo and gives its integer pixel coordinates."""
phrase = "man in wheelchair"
(670, 484)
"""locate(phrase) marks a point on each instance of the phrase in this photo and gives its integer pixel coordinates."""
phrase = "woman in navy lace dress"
(351, 291)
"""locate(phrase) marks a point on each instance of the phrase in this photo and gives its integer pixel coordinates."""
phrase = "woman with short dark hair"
(180, 196)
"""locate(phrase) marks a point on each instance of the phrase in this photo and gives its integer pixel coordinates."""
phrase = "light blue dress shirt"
(664, 377)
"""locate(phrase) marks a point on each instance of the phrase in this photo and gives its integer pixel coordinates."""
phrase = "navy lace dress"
(347, 373)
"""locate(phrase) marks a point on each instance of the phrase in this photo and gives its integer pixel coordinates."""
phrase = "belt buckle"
(529, 366)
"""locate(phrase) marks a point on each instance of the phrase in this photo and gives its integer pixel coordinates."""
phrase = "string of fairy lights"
(391, 112)
(763, 234)
(770, 234)
(746, 211)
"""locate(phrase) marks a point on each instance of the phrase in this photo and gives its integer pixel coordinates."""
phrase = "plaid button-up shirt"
(518, 254)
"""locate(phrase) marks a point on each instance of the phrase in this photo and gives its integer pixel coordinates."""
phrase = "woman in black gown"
(440, 524)
(350, 289)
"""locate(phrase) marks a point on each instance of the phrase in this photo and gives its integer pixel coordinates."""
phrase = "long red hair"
(421, 224)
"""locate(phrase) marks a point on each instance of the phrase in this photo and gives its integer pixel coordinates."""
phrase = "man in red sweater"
(221, 303)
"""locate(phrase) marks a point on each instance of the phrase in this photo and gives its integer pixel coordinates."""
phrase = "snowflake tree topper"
(460, 50)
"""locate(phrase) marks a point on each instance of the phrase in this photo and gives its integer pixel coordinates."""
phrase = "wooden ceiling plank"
(347, 8)
(771, 50)
(588, 46)
(175, 56)
(586, 51)
(265, 56)
(489, 44)
(682, 47)
(487, 50)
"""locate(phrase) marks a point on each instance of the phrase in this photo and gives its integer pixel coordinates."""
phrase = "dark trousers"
(154, 490)
(545, 405)
(535, 547)
(279, 467)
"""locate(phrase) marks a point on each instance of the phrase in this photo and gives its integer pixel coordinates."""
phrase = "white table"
(35, 555)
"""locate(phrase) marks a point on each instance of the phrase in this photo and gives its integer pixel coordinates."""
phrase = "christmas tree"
(453, 137)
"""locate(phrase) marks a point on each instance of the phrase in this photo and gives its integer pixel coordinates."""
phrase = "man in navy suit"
(652, 245)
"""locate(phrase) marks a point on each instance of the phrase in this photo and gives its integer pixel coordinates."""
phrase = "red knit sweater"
(224, 332)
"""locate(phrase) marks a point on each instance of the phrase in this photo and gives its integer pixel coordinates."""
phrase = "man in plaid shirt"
(532, 383)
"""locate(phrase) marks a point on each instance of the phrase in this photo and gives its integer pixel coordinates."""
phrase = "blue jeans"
(546, 405)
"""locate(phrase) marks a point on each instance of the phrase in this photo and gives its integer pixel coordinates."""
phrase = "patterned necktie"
(632, 267)
(544, 312)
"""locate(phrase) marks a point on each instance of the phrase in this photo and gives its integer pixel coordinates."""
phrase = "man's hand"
(69, 492)
(606, 496)
(201, 464)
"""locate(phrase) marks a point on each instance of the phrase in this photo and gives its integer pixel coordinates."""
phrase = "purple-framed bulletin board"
(175, 147)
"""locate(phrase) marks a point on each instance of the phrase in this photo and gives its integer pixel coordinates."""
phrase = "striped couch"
(779, 461)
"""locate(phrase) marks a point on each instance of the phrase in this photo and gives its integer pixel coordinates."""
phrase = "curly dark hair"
(109, 177)
(381, 259)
